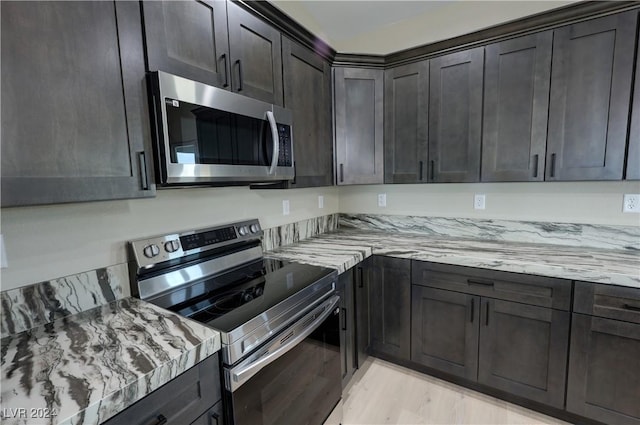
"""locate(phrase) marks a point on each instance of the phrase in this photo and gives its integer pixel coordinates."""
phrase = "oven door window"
(202, 135)
(301, 387)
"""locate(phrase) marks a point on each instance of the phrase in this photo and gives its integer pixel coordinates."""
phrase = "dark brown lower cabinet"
(389, 282)
(444, 331)
(523, 350)
(604, 370)
(362, 314)
(517, 348)
(347, 326)
(189, 398)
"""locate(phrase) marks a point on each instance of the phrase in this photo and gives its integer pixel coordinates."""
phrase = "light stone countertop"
(87, 367)
(346, 248)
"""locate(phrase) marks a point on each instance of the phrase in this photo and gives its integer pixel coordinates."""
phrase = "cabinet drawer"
(180, 401)
(610, 301)
(526, 289)
(212, 416)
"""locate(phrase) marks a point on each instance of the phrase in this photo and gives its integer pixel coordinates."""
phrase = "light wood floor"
(389, 394)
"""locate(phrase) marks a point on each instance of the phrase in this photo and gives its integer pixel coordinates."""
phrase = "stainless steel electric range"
(279, 321)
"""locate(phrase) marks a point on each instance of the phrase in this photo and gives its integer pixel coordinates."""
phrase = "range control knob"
(172, 246)
(151, 251)
(243, 230)
(254, 228)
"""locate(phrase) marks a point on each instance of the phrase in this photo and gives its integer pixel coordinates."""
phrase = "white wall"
(47, 242)
(568, 202)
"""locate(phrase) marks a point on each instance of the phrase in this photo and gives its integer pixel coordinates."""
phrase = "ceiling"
(385, 26)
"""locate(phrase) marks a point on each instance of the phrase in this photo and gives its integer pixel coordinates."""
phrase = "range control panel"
(151, 251)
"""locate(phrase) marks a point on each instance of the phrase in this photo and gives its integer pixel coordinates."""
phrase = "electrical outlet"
(320, 201)
(631, 203)
(382, 200)
(479, 201)
(285, 207)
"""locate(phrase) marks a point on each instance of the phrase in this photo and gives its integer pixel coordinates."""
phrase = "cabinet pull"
(631, 307)
(552, 171)
(240, 75)
(361, 282)
(215, 417)
(226, 71)
(341, 173)
(433, 170)
(160, 420)
(486, 322)
(344, 319)
(473, 308)
(480, 282)
(535, 166)
(421, 167)
(142, 165)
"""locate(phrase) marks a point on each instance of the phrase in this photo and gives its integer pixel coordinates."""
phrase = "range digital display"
(199, 240)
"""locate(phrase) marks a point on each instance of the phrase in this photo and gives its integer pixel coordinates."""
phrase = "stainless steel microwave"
(206, 135)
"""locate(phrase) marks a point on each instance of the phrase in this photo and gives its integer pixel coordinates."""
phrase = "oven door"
(294, 379)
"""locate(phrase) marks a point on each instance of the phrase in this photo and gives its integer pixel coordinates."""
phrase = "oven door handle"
(276, 141)
(301, 330)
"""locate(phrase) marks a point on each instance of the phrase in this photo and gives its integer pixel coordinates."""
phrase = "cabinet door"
(590, 98)
(359, 125)
(189, 39)
(444, 331)
(307, 93)
(604, 370)
(74, 111)
(516, 104)
(362, 316)
(523, 350)
(406, 94)
(390, 301)
(180, 401)
(455, 116)
(347, 326)
(633, 155)
(256, 56)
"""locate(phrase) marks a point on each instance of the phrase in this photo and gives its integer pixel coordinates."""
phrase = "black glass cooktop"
(228, 301)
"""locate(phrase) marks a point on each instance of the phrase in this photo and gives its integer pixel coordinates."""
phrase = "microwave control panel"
(285, 159)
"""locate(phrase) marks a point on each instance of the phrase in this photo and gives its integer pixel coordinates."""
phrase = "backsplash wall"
(47, 242)
(561, 202)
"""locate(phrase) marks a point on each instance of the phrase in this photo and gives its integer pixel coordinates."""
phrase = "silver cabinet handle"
(276, 141)
(245, 370)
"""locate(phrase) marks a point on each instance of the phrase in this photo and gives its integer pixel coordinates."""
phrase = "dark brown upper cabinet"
(307, 93)
(590, 98)
(189, 39)
(358, 99)
(517, 75)
(255, 56)
(406, 122)
(455, 116)
(633, 155)
(74, 110)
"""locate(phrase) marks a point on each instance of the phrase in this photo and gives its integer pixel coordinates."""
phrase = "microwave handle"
(276, 141)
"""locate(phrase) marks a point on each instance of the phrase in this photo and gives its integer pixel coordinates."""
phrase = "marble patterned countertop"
(344, 249)
(85, 368)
